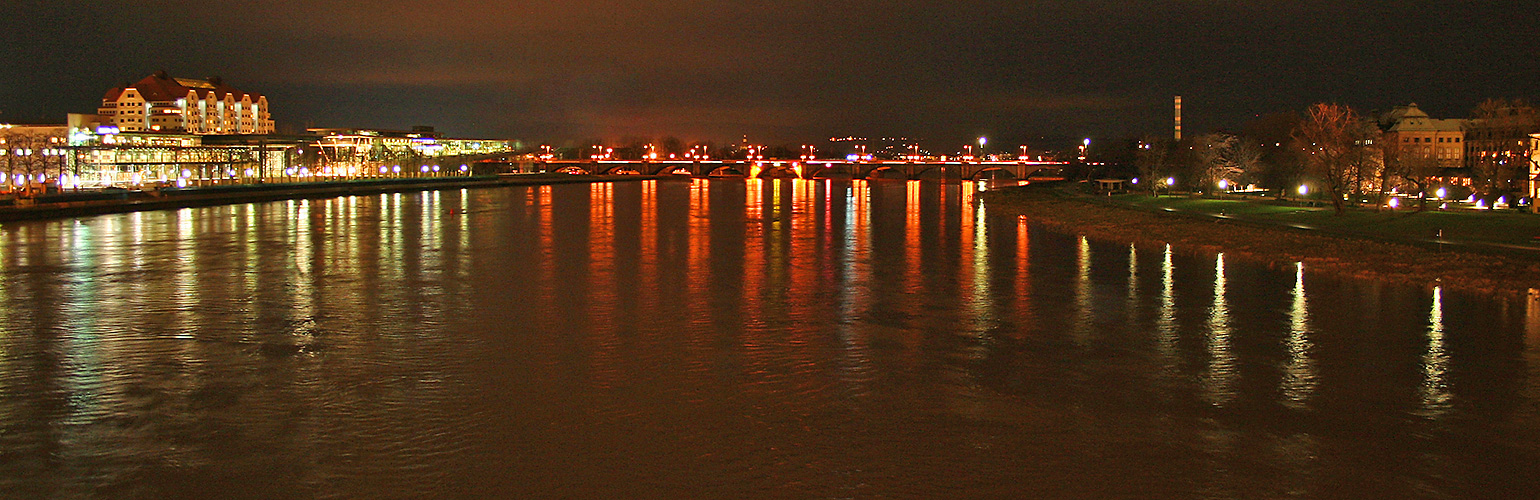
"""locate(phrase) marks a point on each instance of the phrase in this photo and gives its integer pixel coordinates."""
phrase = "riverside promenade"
(121, 201)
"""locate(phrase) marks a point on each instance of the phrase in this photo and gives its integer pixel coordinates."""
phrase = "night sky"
(779, 71)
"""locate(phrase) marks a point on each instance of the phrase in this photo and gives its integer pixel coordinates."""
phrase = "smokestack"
(1179, 118)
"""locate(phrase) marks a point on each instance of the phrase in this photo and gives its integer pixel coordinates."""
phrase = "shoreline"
(254, 193)
(1408, 262)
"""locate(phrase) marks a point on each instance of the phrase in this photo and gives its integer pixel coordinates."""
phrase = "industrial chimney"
(1178, 118)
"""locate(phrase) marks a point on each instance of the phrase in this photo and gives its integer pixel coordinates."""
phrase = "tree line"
(1340, 154)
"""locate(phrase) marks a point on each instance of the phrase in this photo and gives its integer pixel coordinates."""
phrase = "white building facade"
(160, 103)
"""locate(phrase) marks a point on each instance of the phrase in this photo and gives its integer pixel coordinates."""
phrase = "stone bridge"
(811, 169)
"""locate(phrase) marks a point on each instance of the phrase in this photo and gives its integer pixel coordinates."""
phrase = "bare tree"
(1409, 168)
(1333, 138)
(1498, 134)
(1211, 158)
(1367, 164)
(1279, 164)
(1222, 156)
(1246, 158)
(1151, 159)
(27, 154)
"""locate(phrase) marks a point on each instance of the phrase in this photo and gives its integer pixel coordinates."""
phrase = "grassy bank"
(1382, 246)
(1506, 227)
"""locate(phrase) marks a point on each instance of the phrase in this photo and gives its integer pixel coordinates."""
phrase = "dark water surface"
(728, 339)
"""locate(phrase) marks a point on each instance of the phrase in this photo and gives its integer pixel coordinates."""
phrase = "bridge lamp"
(983, 141)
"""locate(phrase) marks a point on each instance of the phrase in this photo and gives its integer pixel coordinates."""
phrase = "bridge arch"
(1044, 170)
(888, 172)
(781, 172)
(992, 172)
(830, 170)
(726, 171)
(928, 172)
(619, 170)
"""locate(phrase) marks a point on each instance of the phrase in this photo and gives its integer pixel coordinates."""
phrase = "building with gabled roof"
(1414, 132)
(160, 103)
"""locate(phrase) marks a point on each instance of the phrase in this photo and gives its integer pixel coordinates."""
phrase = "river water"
(729, 339)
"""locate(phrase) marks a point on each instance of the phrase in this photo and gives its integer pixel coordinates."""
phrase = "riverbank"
(96, 203)
(1394, 250)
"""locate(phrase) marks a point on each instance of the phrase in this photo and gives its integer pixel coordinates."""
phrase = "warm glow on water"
(728, 339)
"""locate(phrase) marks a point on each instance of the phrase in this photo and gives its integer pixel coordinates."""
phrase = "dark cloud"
(777, 70)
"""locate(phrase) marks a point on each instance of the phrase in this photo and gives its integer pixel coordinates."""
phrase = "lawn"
(1506, 227)
(1359, 243)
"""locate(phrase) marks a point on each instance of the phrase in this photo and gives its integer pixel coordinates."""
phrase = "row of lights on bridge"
(807, 152)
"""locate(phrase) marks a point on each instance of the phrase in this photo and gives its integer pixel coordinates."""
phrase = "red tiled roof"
(162, 87)
(158, 87)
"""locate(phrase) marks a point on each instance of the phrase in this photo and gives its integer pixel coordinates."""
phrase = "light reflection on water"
(728, 339)
(1220, 377)
(1435, 362)
(1299, 374)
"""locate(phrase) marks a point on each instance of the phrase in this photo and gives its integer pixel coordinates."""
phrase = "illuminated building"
(1498, 147)
(160, 103)
(366, 145)
(1534, 172)
(1416, 133)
